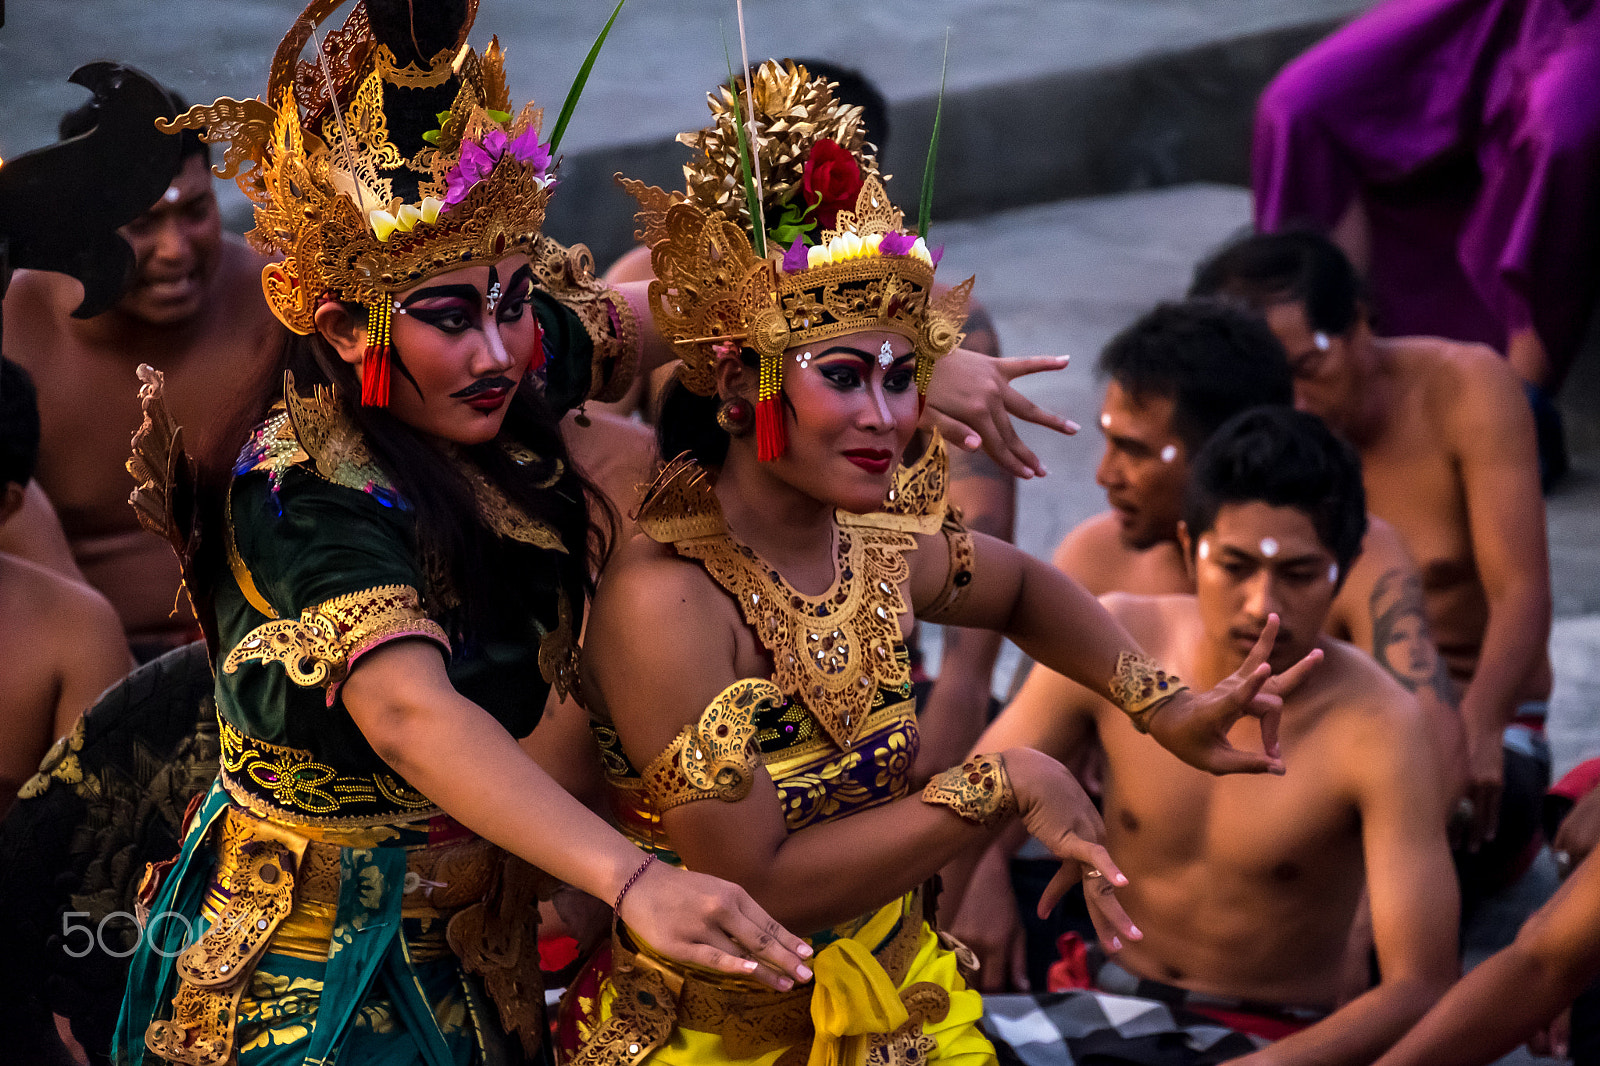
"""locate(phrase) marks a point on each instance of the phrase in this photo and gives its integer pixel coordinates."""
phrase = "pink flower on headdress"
(527, 149)
(794, 260)
(937, 254)
(896, 244)
(478, 160)
(473, 166)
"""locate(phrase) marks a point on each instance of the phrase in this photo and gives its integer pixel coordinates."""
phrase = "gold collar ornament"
(838, 259)
(353, 194)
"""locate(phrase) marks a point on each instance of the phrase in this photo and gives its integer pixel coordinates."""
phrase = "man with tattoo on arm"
(1246, 890)
(1175, 375)
(1449, 459)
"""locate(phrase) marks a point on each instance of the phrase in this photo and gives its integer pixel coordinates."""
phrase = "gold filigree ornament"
(833, 652)
(713, 293)
(716, 757)
(322, 182)
(1139, 687)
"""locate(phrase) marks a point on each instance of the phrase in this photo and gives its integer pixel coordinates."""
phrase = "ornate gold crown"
(861, 272)
(322, 172)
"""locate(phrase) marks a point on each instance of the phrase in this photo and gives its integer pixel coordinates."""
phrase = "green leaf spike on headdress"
(925, 212)
(580, 81)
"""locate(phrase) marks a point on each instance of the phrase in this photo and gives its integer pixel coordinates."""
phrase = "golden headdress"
(825, 254)
(389, 156)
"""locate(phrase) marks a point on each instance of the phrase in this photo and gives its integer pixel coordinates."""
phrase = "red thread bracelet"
(629, 883)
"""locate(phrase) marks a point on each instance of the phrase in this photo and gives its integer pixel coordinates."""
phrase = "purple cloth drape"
(1470, 129)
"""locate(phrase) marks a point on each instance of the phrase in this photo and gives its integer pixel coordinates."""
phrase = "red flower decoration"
(831, 182)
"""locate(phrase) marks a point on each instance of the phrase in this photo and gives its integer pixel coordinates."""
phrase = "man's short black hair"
(1298, 266)
(19, 425)
(1283, 458)
(86, 116)
(1212, 358)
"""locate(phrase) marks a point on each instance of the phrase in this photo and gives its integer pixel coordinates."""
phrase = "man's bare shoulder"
(1154, 621)
(33, 593)
(1092, 552)
(36, 303)
(1460, 382)
(1356, 694)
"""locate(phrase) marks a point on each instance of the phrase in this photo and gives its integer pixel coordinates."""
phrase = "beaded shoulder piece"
(831, 652)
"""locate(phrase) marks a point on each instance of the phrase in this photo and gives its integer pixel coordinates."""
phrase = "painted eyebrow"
(866, 357)
(439, 292)
(525, 271)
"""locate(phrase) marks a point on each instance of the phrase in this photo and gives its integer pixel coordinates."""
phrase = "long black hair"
(456, 547)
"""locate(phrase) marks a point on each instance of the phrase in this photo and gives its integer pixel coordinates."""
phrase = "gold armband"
(979, 790)
(1139, 687)
(715, 758)
(958, 579)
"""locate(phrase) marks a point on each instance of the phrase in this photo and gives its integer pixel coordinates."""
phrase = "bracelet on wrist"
(1140, 688)
(979, 790)
(616, 907)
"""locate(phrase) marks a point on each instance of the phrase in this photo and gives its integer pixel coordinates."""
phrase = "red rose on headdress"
(831, 182)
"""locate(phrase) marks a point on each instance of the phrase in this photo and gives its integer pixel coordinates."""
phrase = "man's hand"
(972, 402)
(1195, 726)
(1485, 781)
(1579, 832)
(989, 924)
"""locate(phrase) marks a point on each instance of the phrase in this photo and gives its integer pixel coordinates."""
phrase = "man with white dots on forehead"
(1247, 890)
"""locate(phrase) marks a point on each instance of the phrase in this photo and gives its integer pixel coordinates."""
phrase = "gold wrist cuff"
(1140, 687)
(979, 790)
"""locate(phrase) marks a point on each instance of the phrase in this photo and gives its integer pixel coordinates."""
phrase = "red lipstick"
(872, 460)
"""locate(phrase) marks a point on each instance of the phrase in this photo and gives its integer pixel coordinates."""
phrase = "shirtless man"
(1449, 460)
(195, 312)
(1246, 888)
(1176, 375)
(63, 643)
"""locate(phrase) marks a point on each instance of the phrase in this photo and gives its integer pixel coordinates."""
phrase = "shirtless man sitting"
(1246, 888)
(63, 642)
(1175, 375)
(1449, 459)
(194, 311)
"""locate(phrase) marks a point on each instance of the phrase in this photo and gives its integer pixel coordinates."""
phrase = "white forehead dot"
(1169, 453)
(1320, 339)
(1205, 548)
(1269, 547)
(804, 359)
(1333, 573)
(885, 355)
(171, 195)
(1105, 421)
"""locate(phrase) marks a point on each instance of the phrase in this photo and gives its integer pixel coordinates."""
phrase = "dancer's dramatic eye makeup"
(847, 368)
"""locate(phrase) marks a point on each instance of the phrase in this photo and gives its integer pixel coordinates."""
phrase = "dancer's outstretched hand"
(1194, 726)
(971, 401)
(1060, 815)
(710, 922)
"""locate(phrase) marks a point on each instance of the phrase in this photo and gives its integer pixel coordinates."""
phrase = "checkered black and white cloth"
(1099, 1029)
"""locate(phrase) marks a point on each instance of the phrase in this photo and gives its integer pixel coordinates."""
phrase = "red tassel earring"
(375, 360)
(772, 437)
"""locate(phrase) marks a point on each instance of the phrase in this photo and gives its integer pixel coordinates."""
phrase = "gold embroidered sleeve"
(958, 575)
(716, 757)
(321, 646)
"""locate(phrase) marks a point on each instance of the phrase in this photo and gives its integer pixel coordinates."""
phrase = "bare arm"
(1513, 993)
(957, 707)
(1381, 610)
(1412, 889)
(1505, 513)
(817, 875)
(401, 698)
(1055, 622)
(98, 656)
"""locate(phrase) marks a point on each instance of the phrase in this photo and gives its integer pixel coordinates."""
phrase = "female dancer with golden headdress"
(745, 664)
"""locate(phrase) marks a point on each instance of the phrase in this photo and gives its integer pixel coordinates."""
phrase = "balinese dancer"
(744, 662)
(391, 578)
